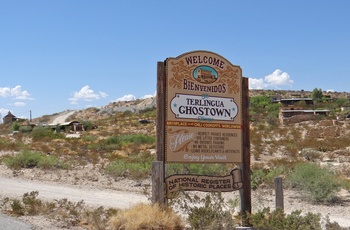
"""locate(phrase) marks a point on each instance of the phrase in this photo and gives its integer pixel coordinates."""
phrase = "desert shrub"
(146, 216)
(88, 125)
(16, 126)
(24, 159)
(6, 144)
(271, 119)
(136, 139)
(265, 176)
(28, 159)
(134, 167)
(112, 142)
(68, 214)
(109, 144)
(89, 138)
(50, 162)
(319, 184)
(32, 204)
(333, 225)
(17, 208)
(209, 212)
(45, 133)
(311, 154)
(28, 205)
(25, 129)
(276, 220)
(148, 112)
(259, 103)
(123, 141)
(317, 95)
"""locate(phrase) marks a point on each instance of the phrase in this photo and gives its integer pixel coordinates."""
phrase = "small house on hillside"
(9, 118)
(70, 125)
(293, 102)
(298, 109)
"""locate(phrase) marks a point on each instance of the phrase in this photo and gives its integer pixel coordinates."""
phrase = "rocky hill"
(149, 103)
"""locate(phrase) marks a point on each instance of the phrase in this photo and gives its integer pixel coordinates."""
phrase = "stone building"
(9, 118)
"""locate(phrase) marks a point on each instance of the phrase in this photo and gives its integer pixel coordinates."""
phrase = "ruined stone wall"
(299, 118)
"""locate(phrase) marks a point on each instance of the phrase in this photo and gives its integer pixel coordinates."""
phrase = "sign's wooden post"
(158, 167)
(160, 110)
(158, 182)
(245, 192)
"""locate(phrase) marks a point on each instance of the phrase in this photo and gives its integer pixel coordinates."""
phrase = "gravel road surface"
(13, 187)
(11, 223)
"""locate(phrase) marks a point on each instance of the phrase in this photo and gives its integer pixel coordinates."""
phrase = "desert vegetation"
(312, 157)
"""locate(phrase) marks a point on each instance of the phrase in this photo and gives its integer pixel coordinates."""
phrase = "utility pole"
(30, 115)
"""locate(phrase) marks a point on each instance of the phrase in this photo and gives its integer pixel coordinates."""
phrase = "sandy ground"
(90, 184)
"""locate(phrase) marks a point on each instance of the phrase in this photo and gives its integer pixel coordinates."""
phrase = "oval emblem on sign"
(205, 74)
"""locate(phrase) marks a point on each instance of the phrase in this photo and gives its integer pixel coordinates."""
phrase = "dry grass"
(144, 216)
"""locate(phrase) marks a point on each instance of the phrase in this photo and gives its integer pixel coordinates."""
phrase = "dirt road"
(62, 118)
(14, 187)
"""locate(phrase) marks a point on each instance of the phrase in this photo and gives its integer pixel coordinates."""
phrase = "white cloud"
(86, 94)
(20, 103)
(256, 83)
(149, 95)
(4, 111)
(15, 92)
(128, 97)
(276, 79)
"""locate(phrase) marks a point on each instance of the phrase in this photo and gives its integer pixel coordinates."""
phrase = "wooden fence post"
(279, 193)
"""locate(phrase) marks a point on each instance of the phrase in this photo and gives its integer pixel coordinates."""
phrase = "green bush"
(149, 112)
(28, 159)
(136, 139)
(17, 208)
(277, 220)
(117, 142)
(318, 183)
(42, 133)
(265, 176)
(112, 140)
(25, 129)
(210, 212)
(50, 162)
(25, 159)
(89, 138)
(135, 167)
(32, 203)
(88, 125)
(15, 126)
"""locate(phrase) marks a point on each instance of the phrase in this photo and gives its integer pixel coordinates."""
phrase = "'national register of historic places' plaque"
(203, 122)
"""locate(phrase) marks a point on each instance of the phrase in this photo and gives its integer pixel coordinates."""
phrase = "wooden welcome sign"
(202, 117)
(203, 109)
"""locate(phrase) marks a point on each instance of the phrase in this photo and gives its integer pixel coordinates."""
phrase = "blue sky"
(60, 55)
